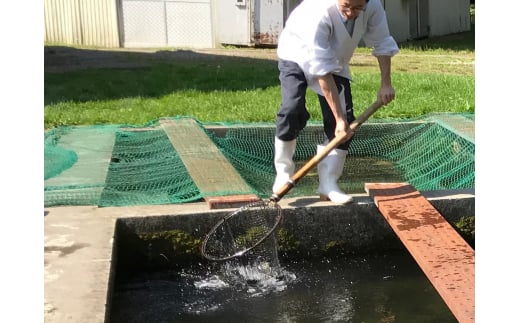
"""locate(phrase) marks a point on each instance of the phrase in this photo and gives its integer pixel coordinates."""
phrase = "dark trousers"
(292, 116)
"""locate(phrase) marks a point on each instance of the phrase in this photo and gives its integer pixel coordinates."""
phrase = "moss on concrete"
(251, 236)
(287, 242)
(465, 226)
(171, 248)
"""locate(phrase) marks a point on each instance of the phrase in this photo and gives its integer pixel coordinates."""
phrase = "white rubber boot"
(329, 171)
(283, 162)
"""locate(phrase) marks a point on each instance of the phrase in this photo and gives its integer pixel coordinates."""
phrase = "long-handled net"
(249, 226)
(242, 230)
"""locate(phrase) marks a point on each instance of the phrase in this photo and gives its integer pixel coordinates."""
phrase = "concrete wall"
(314, 227)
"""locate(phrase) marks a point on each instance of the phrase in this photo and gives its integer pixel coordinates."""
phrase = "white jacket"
(316, 38)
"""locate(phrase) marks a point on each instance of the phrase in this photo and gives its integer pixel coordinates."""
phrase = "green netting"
(123, 165)
(56, 158)
(146, 169)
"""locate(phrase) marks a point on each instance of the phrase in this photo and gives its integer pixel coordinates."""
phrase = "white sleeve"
(377, 35)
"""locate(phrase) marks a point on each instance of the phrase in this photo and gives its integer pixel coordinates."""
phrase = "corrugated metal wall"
(82, 22)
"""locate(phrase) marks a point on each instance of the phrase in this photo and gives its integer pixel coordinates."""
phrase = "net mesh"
(121, 165)
(242, 230)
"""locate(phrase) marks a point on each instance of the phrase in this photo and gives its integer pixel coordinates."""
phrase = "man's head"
(350, 9)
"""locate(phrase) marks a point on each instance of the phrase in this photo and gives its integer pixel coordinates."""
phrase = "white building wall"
(210, 23)
(397, 16)
(449, 16)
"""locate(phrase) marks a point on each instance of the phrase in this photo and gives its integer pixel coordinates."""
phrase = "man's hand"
(386, 94)
(343, 128)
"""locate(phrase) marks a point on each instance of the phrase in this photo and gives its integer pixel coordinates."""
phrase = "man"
(314, 50)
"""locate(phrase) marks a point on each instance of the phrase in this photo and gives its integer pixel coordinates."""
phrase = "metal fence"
(167, 23)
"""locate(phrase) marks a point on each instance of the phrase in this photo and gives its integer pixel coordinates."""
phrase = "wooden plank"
(443, 255)
(207, 166)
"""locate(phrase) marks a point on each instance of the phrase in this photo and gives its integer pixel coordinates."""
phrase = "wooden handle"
(365, 115)
(328, 148)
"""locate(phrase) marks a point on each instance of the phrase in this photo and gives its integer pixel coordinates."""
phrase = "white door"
(233, 22)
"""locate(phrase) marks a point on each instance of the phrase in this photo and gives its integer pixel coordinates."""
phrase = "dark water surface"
(364, 288)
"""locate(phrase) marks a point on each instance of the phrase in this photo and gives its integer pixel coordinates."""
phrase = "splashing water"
(236, 282)
(256, 279)
(212, 282)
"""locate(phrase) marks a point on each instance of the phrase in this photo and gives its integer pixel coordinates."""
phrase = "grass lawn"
(433, 75)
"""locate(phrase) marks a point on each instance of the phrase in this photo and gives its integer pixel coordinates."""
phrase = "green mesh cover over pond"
(122, 165)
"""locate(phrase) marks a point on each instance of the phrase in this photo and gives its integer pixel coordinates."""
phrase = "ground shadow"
(127, 73)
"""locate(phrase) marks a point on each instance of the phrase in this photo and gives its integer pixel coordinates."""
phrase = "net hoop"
(237, 213)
